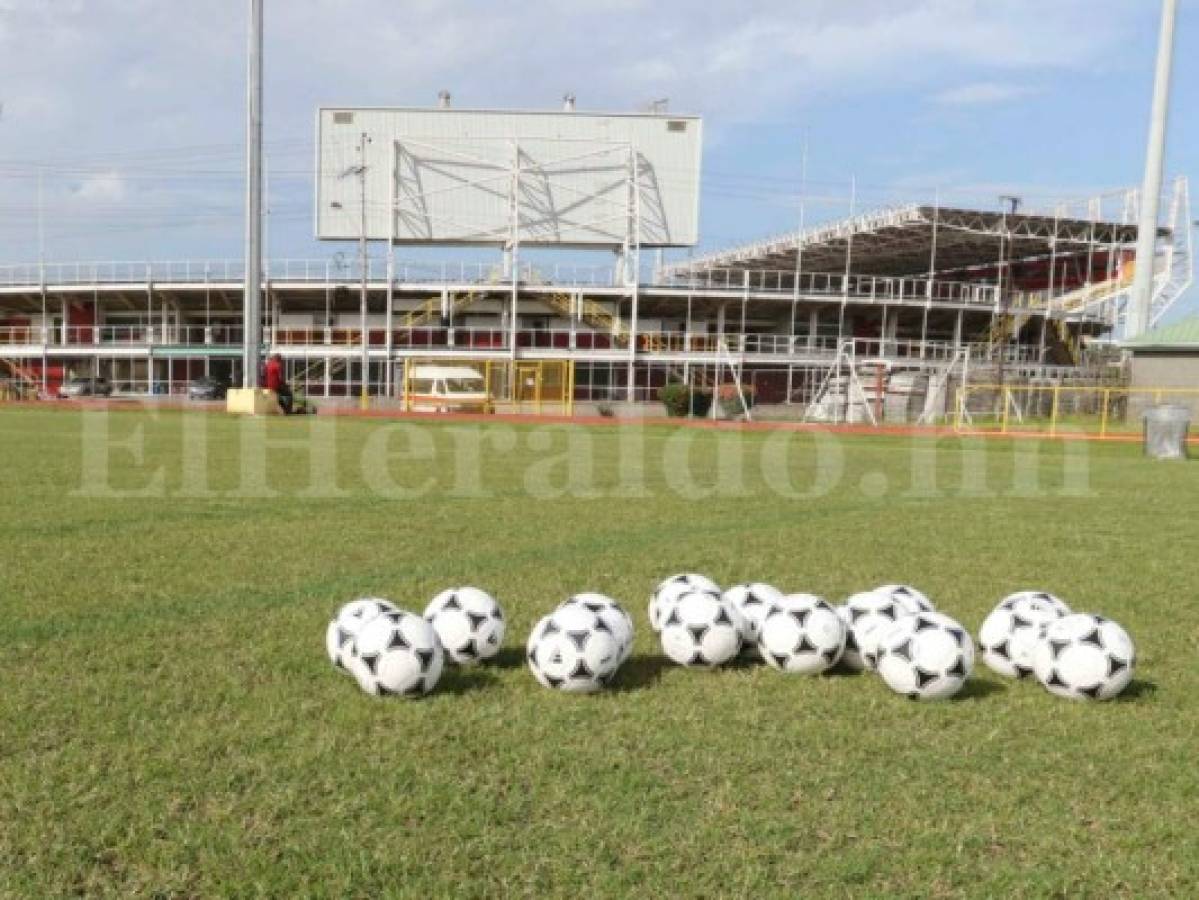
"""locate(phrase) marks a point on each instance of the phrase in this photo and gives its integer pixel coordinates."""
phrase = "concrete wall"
(1172, 369)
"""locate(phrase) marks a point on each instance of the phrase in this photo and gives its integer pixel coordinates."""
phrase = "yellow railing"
(431, 309)
(1056, 410)
(604, 321)
(1079, 298)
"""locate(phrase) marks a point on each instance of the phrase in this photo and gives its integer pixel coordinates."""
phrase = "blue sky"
(133, 109)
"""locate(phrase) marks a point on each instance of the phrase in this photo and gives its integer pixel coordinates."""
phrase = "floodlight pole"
(1142, 290)
(252, 298)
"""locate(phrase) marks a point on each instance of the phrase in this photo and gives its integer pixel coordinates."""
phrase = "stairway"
(337, 365)
(1004, 328)
(431, 309)
(603, 321)
(1063, 346)
(25, 380)
(1078, 300)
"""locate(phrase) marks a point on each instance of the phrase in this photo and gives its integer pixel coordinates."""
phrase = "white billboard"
(450, 176)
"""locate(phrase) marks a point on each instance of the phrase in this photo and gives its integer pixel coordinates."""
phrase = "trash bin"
(1166, 431)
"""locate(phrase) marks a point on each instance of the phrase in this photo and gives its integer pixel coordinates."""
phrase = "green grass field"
(170, 726)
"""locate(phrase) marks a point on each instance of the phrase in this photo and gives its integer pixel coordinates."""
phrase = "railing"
(320, 340)
(123, 336)
(349, 272)
(880, 289)
(311, 271)
(1101, 411)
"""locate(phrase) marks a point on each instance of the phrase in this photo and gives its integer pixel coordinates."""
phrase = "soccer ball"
(573, 650)
(927, 656)
(671, 589)
(1009, 634)
(866, 616)
(612, 614)
(469, 623)
(907, 597)
(339, 636)
(1084, 657)
(753, 600)
(397, 652)
(802, 634)
(701, 629)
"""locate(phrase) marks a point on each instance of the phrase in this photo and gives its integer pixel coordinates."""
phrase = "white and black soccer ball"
(397, 652)
(1010, 633)
(927, 656)
(671, 589)
(753, 600)
(615, 616)
(907, 597)
(802, 633)
(339, 636)
(469, 623)
(701, 629)
(574, 650)
(866, 616)
(1084, 657)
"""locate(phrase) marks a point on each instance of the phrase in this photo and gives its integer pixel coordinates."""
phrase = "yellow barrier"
(1061, 409)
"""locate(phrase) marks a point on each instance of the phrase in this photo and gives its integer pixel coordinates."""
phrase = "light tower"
(1141, 301)
(252, 299)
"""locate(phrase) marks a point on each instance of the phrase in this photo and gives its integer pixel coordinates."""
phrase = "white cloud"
(105, 186)
(982, 93)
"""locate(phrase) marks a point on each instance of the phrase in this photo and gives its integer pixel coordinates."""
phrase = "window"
(676, 125)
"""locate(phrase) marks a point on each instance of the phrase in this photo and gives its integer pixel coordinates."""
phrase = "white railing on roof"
(465, 275)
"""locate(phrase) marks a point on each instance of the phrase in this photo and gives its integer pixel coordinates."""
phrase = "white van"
(447, 389)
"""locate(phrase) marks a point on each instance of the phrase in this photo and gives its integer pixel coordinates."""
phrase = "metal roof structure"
(1180, 335)
(917, 239)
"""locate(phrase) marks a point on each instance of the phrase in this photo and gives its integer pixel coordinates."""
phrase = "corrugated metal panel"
(1183, 334)
(453, 169)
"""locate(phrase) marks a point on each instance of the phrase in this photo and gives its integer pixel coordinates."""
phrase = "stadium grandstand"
(920, 292)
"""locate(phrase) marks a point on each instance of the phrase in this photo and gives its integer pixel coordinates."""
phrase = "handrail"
(332, 340)
(348, 272)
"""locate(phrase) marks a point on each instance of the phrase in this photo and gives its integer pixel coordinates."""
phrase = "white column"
(1142, 290)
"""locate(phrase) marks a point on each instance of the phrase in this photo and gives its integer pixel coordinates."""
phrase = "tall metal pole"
(41, 229)
(1142, 288)
(363, 261)
(252, 299)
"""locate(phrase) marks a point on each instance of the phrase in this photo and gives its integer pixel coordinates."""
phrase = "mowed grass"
(170, 726)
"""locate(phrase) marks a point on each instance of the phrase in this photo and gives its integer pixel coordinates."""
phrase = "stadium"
(620, 551)
(917, 300)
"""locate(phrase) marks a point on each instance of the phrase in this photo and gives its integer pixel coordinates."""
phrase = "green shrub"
(681, 400)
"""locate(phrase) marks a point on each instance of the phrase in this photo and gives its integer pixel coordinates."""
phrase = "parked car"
(208, 387)
(86, 387)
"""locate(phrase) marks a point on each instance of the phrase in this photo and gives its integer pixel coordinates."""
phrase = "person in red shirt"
(273, 381)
